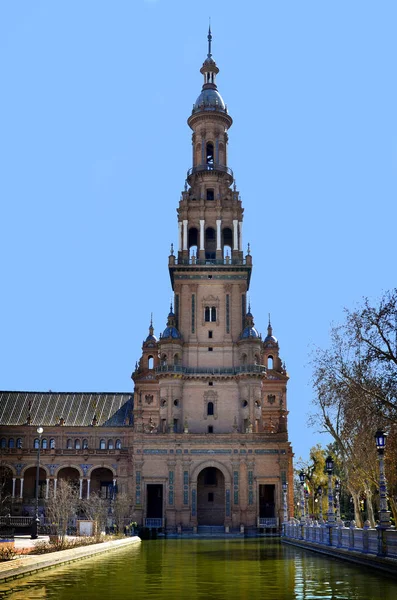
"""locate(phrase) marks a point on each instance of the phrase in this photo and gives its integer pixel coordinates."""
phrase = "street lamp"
(329, 465)
(302, 478)
(285, 506)
(320, 496)
(384, 514)
(35, 525)
(337, 498)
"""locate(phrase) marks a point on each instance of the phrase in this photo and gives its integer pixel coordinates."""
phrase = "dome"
(209, 99)
(171, 332)
(271, 338)
(151, 338)
(249, 332)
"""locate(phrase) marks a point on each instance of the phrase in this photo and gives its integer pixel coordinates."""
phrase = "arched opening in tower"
(193, 242)
(227, 242)
(210, 244)
(210, 153)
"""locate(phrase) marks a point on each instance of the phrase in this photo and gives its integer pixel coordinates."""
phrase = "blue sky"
(94, 149)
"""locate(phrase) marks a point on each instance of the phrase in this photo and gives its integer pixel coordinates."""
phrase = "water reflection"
(205, 570)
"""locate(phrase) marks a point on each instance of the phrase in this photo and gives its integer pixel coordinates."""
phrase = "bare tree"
(355, 384)
(96, 509)
(121, 510)
(63, 507)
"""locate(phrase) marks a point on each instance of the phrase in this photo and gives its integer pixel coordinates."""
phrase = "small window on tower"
(210, 496)
(210, 349)
(210, 334)
(211, 383)
(210, 194)
(210, 429)
(210, 153)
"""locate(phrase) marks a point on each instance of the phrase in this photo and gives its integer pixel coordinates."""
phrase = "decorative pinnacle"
(249, 250)
(171, 306)
(269, 321)
(151, 319)
(172, 250)
(209, 37)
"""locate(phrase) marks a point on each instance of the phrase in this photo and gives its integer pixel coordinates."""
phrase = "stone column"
(47, 488)
(235, 234)
(180, 236)
(21, 491)
(81, 489)
(202, 234)
(114, 486)
(55, 487)
(218, 234)
(13, 486)
(240, 235)
(88, 488)
(184, 234)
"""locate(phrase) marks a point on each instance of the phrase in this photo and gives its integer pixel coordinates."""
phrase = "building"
(203, 440)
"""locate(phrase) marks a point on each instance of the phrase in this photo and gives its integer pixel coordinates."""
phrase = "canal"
(205, 570)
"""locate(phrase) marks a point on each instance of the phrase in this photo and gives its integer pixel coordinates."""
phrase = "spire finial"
(171, 307)
(151, 319)
(249, 305)
(269, 321)
(209, 37)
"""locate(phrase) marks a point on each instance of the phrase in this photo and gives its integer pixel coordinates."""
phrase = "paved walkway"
(30, 563)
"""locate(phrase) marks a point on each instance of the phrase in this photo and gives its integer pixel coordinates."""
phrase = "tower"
(210, 385)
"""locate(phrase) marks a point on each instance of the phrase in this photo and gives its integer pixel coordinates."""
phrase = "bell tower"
(210, 400)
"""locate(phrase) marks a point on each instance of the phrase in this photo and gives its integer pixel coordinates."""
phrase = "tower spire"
(209, 37)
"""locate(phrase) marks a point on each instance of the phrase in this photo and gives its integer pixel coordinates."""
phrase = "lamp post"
(302, 478)
(337, 499)
(384, 514)
(329, 465)
(35, 524)
(307, 506)
(320, 499)
(285, 506)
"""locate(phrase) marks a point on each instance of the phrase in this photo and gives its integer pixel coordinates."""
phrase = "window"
(52, 444)
(44, 444)
(19, 442)
(210, 314)
(85, 444)
(176, 402)
(118, 444)
(77, 444)
(210, 496)
(175, 425)
(69, 445)
(36, 444)
(270, 362)
(11, 443)
(210, 408)
(210, 334)
(211, 383)
(3, 443)
(210, 194)
(210, 153)
(210, 429)
(244, 403)
(150, 362)
(210, 349)
(110, 445)
(102, 445)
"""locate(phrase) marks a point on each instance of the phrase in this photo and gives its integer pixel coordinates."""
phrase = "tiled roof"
(77, 409)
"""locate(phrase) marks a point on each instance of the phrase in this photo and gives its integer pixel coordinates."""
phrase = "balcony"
(212, 261)
(210, 168)
(249, 369)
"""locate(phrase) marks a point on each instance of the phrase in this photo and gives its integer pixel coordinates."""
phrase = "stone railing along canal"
(381, 542)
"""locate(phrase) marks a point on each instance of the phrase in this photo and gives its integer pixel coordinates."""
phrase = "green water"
(205, 570)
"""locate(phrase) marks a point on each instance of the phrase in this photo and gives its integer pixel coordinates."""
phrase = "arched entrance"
(102, 482)
(29, 488)
(211, 497)
(5, 489)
